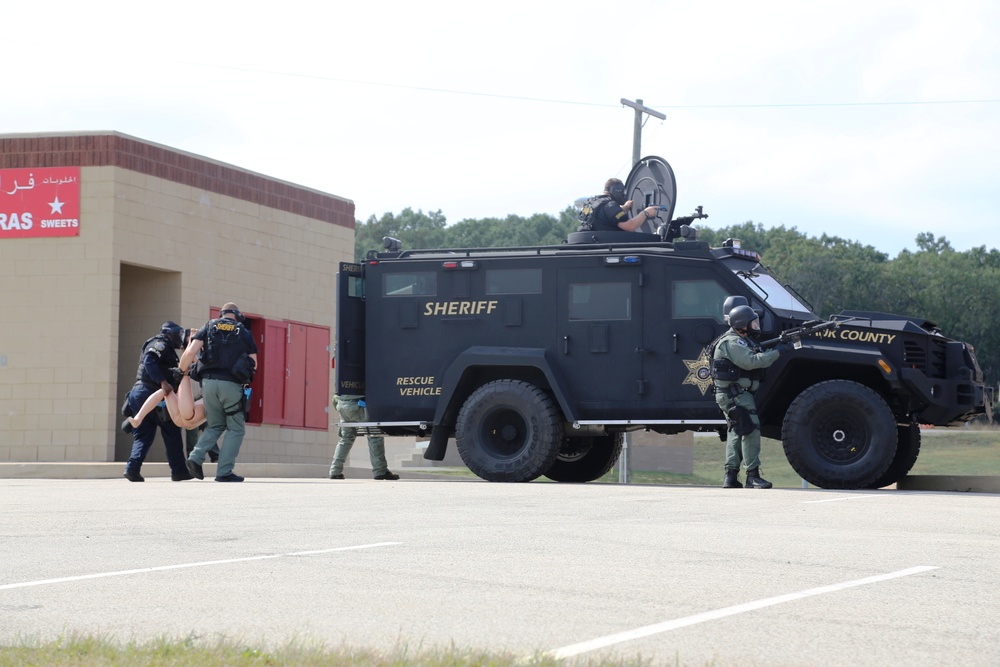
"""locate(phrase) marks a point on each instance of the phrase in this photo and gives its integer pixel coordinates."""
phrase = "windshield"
(770, 290)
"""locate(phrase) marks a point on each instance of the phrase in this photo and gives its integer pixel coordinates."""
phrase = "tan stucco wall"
(74, 311)
(58, 339)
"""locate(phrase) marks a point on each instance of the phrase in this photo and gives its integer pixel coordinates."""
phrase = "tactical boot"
(732, 480)
(755, 481)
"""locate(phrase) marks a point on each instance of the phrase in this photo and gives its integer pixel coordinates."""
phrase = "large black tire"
(907, 451)
(839, 434)
(508, 431)
(586, 459)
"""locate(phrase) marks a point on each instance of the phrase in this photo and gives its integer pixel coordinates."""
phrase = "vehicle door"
(349, 346)
(599, 337)
(694, 303)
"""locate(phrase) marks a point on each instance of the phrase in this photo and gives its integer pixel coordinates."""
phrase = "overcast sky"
(873, 120)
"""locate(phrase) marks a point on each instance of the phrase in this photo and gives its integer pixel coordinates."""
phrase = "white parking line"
(666, 626)
(161, 568)
(834, 500)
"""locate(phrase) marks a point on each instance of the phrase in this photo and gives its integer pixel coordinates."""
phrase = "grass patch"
(84, 651)
(953, 451)
(956, 451)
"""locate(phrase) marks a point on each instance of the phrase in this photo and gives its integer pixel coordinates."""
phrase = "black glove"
(784, 347)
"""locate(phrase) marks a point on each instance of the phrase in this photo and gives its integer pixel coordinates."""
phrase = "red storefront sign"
(41, 201)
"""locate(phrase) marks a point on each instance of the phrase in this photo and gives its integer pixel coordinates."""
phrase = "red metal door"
(274, 372)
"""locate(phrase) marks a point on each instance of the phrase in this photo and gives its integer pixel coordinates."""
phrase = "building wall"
(163, 235)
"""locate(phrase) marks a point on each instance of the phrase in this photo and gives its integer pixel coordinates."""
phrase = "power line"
(823, 104)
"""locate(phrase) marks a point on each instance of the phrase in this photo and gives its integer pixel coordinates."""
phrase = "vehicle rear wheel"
(907, 451)
(508, 431)
(586, 459)
(839, 434)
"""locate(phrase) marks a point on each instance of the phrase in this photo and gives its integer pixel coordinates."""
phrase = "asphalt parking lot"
(679, 575)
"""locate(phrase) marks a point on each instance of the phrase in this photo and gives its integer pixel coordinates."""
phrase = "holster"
(740, 420)
(162, 415)
(243, 405)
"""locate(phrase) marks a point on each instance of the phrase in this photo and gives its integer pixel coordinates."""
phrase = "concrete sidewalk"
(152, 470)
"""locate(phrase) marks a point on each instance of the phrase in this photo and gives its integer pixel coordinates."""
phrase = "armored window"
(699, 298)
(600, 301)
(772, 291)
(356, 286)
(423, 283)
(514, 281)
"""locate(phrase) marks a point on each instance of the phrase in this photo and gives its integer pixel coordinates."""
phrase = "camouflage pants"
(350, 411)
(743, 449)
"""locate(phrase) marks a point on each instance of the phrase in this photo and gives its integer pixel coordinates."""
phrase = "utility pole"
(625, 459)
(637, 132)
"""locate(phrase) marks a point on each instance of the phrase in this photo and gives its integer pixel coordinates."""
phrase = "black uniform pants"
(145, 433)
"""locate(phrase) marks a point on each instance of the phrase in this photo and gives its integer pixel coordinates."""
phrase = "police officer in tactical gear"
(737, 369)
(352, 408)
(227, 360)
(157, 367)
(610, 212)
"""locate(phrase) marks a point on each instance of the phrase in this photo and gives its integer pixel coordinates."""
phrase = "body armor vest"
(588, 214)
(724, 370)
(222, 345)
(166, 359)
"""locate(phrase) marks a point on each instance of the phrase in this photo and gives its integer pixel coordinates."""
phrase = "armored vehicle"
(536, 360)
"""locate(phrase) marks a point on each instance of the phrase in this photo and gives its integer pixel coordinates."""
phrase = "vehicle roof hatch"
(651, 183)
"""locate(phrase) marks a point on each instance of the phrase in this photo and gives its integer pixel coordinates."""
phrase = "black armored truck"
(536, 360)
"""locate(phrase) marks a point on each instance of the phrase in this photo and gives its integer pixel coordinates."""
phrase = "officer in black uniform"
(157, 370)
(610, 212)
(227, 360)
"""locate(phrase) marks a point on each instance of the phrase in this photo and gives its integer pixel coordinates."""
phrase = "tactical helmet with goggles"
(741, 317)
(730, 303)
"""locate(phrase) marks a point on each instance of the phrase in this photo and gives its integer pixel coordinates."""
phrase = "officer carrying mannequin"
(228, 361)
(737, 369)
(157, 363)
(610, 211)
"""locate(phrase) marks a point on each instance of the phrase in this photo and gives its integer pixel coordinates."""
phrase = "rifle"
(671, 230)
(796, 334)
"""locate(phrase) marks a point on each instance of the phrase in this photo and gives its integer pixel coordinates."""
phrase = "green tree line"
(958, 291)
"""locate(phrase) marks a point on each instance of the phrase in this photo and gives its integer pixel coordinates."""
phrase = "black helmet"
(730, 303)
(173, 332)
(616, 189)
(740, 317)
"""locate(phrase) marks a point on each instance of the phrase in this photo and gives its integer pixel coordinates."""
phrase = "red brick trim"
(119, 150)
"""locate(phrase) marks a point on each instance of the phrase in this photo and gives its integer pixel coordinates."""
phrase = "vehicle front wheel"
(839, 434)
(508, 431)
